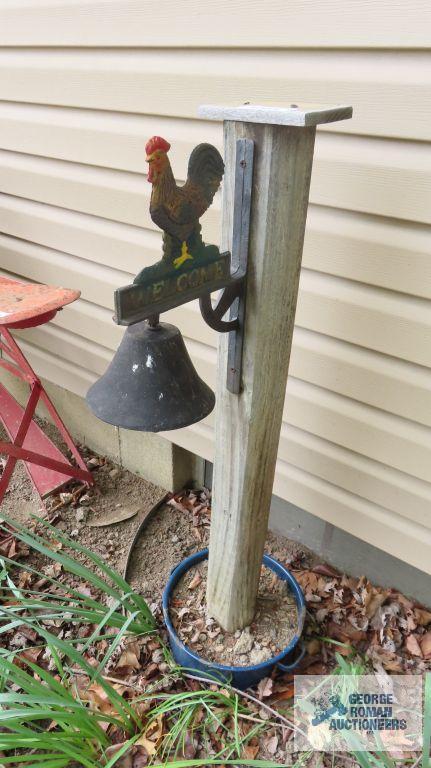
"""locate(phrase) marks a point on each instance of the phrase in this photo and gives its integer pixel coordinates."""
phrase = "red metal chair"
(25, 305)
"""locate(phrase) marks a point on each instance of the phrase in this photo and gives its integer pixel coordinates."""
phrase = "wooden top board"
(295, 114)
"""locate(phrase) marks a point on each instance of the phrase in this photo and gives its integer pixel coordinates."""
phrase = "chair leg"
(59, 423)
(22, 368)
(20, 436)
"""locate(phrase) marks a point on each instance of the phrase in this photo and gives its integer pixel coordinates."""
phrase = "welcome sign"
(160, 289)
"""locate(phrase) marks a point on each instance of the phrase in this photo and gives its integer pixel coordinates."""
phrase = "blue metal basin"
(239, 677)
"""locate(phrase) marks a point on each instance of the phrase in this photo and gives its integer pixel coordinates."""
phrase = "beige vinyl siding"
(220, 23)
(84, 84)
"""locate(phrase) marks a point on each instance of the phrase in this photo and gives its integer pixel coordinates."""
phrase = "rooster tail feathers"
(206, 169)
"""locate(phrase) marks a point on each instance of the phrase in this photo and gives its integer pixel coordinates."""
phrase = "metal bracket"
(213, 314)
(233, 296)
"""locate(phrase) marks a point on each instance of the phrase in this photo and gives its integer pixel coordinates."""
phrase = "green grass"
(77, 734)
(45, 721)
(219, 709)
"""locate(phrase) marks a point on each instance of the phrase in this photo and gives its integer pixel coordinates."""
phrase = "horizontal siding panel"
(333, 462)
(380, 320)
(373, 176)
(368, 317)
(369, 522)
(367, 176)
(102, 241)
(371, 480)
(76, 350)
(225, 24)
(111, 194)
(379, 381)
(109, 139)
(360, 374)
(76, 108)
(43, 265)
(400, 443)
(388, 178)
(380, 252)
(92, 315)
(386, 88)
(392, 533)
(70, 376)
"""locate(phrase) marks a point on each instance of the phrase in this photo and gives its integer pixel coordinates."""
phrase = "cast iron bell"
(151, 384)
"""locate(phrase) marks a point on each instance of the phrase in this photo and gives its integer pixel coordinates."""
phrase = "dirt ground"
(80, 511)
(166, 539)
(384, 626)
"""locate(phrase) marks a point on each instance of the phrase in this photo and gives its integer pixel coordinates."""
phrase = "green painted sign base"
(163, 286)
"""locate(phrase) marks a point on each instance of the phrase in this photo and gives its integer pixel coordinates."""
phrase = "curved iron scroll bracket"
(213, 314)
(233, 296)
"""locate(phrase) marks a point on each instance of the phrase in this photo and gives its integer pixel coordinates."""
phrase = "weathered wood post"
(248, 425)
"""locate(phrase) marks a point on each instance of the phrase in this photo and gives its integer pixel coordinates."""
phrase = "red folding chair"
(25, 305)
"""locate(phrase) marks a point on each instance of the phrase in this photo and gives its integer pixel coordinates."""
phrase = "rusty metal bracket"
(233, 295)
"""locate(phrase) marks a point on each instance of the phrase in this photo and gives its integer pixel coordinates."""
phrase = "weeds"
(60, 709)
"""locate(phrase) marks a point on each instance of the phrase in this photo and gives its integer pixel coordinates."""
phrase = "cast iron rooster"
(177, 210)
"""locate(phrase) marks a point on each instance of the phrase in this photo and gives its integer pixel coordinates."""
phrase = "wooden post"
(248, 425)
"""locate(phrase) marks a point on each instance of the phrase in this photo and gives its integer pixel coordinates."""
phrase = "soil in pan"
(273, 627)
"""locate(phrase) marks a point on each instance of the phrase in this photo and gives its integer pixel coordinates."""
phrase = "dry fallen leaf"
(425, 644)
(31, 654)
(326, 570)
(115, 516)
(24, 579)
(125, 761)
(98, 698)
(286, 694)
(152, 736)
(264, 689)
(249, 752)
(375, 602)
(413, 646)
(345, 632)
(196, 580)
(272, 745)
(127, 662)
(52, 570)
(422, 616)
(313, 647)
(66, 498)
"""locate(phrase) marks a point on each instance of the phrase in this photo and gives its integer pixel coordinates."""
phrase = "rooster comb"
(156, 142)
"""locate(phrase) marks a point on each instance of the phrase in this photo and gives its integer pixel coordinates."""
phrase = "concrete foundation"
(348, 553)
